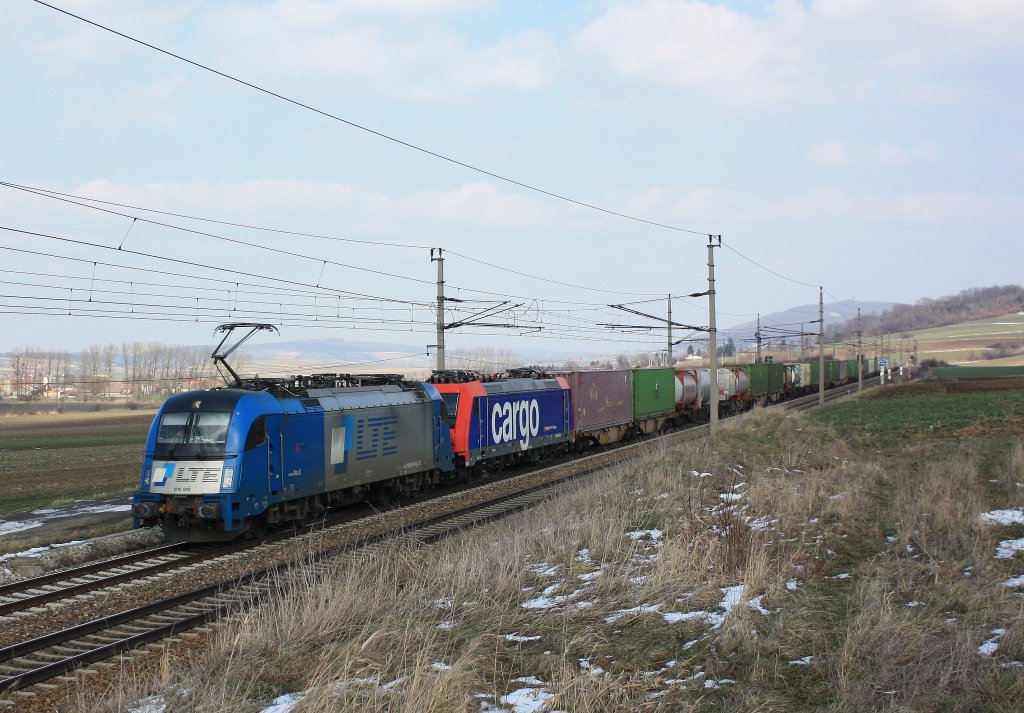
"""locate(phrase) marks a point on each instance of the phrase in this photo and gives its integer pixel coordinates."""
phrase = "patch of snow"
(1017, 581)
(805, 661)
(673, 617)
(755, 604)
(546, 601)
(519, 637)
(40, 550)
(915, 603)
(543, 569)
(283, 704)
(440, 666)
(642, 609)
(1003, 517)
(841, 575)
(760, 523)
(713, 683)
(526, 700)
(1009, 548)
(531, 680)
(445, 625)
(639, 534)
(7, 528)
(391, 684)
(153, 704)
(695, 474)
(792, 584)
(990, 646)
(592, 668)
(730, 497)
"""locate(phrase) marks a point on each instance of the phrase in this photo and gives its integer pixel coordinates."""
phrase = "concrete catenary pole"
(757, 338)
(440, 305)
(669, 330)
(860, 355)
(821, 348)
(712, 333)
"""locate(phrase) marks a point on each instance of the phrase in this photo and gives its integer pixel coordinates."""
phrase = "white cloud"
(824, 52)
(836, 155)
(299, 40)
(832, 154)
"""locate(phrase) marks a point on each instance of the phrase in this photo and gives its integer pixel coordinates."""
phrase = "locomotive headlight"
(147, 475)
(227, 478)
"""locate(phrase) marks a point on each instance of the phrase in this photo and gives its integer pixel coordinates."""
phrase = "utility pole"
(821, 347)
(440, 306)
(712, 333)
(757, 338)
(860, 355)
(670, 330)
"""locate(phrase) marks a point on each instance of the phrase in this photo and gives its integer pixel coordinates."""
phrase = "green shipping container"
(832, 372)
(766, 379)
(654, 393)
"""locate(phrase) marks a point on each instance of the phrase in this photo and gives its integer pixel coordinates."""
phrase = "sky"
(869, 146)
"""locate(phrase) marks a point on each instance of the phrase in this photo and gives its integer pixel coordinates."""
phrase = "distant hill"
(975, 304)
(835, 313)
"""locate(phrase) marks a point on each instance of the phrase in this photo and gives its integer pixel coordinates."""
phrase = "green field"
(59, 458)
(971, 342)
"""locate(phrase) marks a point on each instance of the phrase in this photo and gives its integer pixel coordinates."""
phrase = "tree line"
(965, 306)
(131, 370)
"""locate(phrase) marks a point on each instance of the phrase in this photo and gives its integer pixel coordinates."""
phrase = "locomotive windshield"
(192, 434)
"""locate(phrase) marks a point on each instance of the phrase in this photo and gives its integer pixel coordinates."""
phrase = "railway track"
(37, 666)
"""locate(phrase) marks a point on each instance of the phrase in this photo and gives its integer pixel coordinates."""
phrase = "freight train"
(224, 462)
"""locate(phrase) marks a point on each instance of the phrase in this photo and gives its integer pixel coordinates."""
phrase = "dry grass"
(589, 595)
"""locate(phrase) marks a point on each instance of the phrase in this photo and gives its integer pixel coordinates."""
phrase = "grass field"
(971, 341)
(59, 458)
(797, 562)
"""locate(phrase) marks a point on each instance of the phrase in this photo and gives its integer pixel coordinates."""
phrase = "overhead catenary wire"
(59, 195)
(77, 201)
(374, 132)
(194, 264)
(236, 241)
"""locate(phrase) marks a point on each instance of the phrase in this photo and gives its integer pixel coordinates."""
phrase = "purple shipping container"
(601, 399)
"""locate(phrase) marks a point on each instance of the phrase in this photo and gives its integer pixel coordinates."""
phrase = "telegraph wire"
(374, 132)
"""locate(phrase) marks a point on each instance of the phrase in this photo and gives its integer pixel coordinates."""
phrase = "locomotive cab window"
(257, 434)
(451, 408)
(192, 433)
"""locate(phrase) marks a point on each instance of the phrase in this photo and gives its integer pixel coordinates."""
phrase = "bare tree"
(490, 359)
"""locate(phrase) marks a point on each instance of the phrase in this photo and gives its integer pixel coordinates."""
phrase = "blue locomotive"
(222, 462)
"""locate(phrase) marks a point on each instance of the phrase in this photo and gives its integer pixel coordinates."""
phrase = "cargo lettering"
(515, 421)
